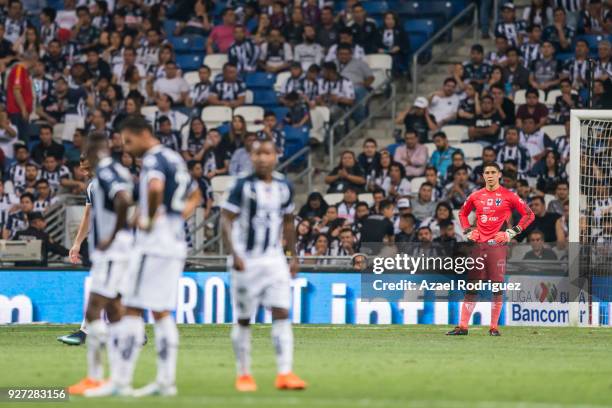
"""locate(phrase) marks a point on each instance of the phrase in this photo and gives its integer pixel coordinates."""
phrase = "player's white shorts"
(156, 264)
(108, 268)
(264, 281)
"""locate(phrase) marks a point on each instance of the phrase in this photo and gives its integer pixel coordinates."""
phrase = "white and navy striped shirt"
(260, 207)
(7, 201)
(569, 5)
(55, 177)
(111, 178)
(511, 31)
(293, 84)
(530, 53)
(199, 93)
(578, 71)
(244, 55)
(517, 153)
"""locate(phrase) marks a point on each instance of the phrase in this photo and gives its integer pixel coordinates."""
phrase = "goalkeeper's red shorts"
(492, 265)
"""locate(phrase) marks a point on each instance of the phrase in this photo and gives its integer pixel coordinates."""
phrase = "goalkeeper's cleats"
(155, 388)
(246, 383)
(84, 385)
(458, 331)
(74, 339)
(109, 389)
(494, 332)
(289, 381)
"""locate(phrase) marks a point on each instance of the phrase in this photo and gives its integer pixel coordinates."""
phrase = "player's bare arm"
(289, 234)
(82, 232)
(193, 201)
(227, 221)
(155, 196)
(122, 203)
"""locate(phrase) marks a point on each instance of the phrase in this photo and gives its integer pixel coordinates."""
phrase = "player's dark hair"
(269, 113)
(27, 195)
(522, 183)
(378, 190)
(562, 182)
(49, 12)
(439, 133)
(445, 223)
(370, 140)
(450, 79)
(477, 48)
(191, 164)
(490, 164)
(135, 124)
(362, 204)
(489, 149)
(532, 91)
(41, 181)
(426, 184)
(536, 231)
(46, 126)
(162, 119)
(537, 198)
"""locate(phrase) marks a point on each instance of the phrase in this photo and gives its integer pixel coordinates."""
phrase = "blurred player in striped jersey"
(256, 218)
(167, 195)
(110, 242)
(493, 205)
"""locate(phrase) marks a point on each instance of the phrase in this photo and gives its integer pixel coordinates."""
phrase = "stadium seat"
(189, 62)
(280, 112)
(333, 198)
(214, 73)
(548, 198)
(425, 25)
(301, 134)
(215, 61)
(169, 26)
(191, 77)
(58, 132)
(281, 78)
(551, 98)
(415, 184)
(254, 128)
(366, 198)
(375, 7)
(392, 147)
(251, 114)
(148, 111)
(324, 112)
(455, 133)
(213, 116)
(593, 40)
(260, 80)
(265, 98)
(554, 131)
(380, 64)
(181, 44)
(471, 150)
(430, 148)
(220, 185)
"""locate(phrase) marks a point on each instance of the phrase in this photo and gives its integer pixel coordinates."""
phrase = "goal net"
(590, 216)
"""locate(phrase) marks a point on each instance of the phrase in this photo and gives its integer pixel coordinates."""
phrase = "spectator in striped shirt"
(198, 96)
(510, 149)
(530, 50)
(44, 196)
(18, 220)
(243, 53)
(512, 29)
(560, 33)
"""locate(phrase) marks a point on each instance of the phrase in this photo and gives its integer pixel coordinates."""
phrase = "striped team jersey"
(7, 201)
(166, 165)
(111, 178)
(261, 207)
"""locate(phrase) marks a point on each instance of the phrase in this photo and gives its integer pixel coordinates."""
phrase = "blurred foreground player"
(494, 205)
(167, 196)
(78, 337)
(110, 243)
(256, 218)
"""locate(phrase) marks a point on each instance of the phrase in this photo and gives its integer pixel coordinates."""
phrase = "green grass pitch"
(348, 366)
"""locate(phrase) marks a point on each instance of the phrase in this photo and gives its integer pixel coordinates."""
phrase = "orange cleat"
(84, 385)
(246, 383)
(289, 381)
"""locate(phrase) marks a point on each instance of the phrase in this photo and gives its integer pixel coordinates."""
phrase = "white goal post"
(590, 138)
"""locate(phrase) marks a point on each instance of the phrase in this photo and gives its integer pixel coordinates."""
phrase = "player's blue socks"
(282, 338)
(166, 342)
(241, 341)
(95, 345)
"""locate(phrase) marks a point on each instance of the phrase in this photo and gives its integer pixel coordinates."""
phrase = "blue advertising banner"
(322, 298)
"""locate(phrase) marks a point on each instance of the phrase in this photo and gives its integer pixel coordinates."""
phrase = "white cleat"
(109, 390)
(155, 389)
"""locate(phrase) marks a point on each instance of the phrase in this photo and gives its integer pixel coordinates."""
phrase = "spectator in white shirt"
(444, 104)
(309, 52)
(164, 105)
(173, 85)
(129, 59)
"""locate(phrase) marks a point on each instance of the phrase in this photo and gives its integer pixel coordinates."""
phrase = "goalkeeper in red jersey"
(493, 205)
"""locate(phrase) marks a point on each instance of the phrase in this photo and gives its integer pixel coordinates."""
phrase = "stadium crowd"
(72, 67)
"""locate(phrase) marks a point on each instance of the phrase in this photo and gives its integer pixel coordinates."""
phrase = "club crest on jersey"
(498, 201)
(489, 201)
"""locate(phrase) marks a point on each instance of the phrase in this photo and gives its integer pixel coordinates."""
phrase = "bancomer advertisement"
(317, 298)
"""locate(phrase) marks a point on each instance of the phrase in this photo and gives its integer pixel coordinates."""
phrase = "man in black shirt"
(407, 232)
(417, 117)
(47, 146)
(538, 251)
(378, 227)
(364, 30)
(544, 221)
(487, 124)
(477, 69)
(6, 47)
(36, 231)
